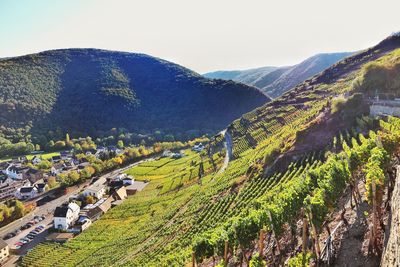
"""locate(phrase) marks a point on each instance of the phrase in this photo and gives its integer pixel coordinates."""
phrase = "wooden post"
(193, 259)
(261, 242)
(374, 222)
(273, 231)
(317, 248)
(226, 253)
(305, 238)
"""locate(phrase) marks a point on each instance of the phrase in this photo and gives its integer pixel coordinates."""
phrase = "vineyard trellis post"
(316, 241)
(261, 243)
(226, 253)
(273, 232)
(193, 259)
(305, 227)
(374, 223)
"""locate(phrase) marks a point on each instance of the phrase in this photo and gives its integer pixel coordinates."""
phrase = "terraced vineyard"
(179, 213)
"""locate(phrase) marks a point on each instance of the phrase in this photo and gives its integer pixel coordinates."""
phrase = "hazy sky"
(203, 35)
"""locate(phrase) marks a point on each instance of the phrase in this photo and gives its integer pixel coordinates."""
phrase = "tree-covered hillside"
(87, 91)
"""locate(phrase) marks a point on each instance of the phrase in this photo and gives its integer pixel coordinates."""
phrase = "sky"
(202, 35)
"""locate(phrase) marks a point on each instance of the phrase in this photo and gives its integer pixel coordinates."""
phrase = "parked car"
(38, 218)
(8, 236)
(24, 240)
(31, 237)
(28, 225)
(18, 245)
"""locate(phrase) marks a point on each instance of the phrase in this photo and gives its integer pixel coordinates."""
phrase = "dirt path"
(228, 147)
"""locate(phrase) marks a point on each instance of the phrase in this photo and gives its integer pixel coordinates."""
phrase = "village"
(59, 213)
(59, 217)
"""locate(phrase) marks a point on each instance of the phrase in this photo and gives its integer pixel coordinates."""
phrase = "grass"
(30, 156)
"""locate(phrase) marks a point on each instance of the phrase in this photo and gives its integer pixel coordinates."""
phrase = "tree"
(120, 144)
(77, 147)
(19, 209)
(89, 200)
(67, 139)
(51, 182)
(44, 165)
(50, 144)
(59, 144)
(73, 176)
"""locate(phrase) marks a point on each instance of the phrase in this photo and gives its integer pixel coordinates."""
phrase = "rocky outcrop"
(391, 253)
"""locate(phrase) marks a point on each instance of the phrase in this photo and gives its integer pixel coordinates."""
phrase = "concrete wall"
(391, 253)
(384, 110)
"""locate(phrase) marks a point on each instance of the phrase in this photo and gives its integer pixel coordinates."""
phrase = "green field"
(30, 156)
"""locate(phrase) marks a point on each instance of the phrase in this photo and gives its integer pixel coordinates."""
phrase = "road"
(46, 209)
(228, 147)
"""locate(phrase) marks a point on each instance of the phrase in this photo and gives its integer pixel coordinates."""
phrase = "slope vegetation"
(281, 165)
(87, 91)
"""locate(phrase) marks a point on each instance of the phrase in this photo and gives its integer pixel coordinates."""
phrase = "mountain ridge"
(47, 90)
(277, 80)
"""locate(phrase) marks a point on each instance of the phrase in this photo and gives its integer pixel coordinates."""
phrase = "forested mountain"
(88, 91)
(296, 162)
(277, 80)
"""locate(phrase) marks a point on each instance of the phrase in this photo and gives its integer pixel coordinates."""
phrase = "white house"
(26, 192)
(36, 160)
(56, 169)
(128, 180)
(66, 215)
(166, 153)
(96, 190)
(4, 251)
(14, 172)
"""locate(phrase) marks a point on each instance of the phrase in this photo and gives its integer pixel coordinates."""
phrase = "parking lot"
(21, 247)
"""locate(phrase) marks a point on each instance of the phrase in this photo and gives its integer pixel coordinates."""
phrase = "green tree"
(51, 182)
(89, 200)
(59, 144)
(74, 177)
(44, 165)
(120, 144)
(19, 209)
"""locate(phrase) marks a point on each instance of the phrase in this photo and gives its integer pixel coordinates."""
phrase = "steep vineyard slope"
(299, 152)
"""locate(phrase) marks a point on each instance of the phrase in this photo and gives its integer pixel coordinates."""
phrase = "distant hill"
(277, 80)
(88, 91)
(244, 76)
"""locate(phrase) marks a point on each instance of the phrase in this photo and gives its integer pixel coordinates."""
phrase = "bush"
(300, 260)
